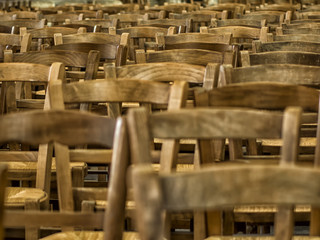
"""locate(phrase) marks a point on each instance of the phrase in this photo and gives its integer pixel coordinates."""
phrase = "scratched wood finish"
(171, 126)
(237, 22)
(91, 38)
(238, 31)
(142, 32)
(111, 221)
(190, 56)
(166, 23)
(47, 57)
(33, 72)
(267, 95)
(25, 23)
(162, 72)
(56, 19)
(298, 37)
(107, 51)
(47, 121)
(49, 32)
(121, 90)
(284, 73)
(197, 37)
(283, 57)
(286, 46)
(212, 120)
(127, 19)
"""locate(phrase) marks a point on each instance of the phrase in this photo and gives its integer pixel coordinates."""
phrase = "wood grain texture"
(107, 51)
(49, 32)
(265, 95)
(216, 123)
(121, 90)
(47, 57)
(284, 73)
(47, 123)
(285, 57)
(104, 38)
(162, 72)
(262, 184)
(23, 72)
(190, 56)
(288, 46)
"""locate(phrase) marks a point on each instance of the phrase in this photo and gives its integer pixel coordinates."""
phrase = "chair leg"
(32, 233)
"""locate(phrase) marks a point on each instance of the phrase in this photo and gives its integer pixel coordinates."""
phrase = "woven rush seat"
(27, 170)
(16, 197)
(88, 235)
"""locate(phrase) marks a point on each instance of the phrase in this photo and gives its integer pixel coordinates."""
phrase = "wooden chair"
(208, 122)
(43, 37)
(141, 38)
(29, 24)
(112, 48)
(14, 42)
(40, 127)
(127, 19)
(199, 18)
(240, 34)
(183, 25)
(57, 19)
(270, 96)
(233, 9)
(72, 60)
(191, 56)
(117, 91)
(104, 24)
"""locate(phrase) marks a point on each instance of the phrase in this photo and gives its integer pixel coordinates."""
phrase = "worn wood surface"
(282, 57)
(190, 56)
(162, 72)
(284, 73)
(286, 46)
(282, 184)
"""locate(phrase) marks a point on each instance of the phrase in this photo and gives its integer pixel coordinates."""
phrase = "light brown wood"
(191, 56)
(69, 124)
(284, 73)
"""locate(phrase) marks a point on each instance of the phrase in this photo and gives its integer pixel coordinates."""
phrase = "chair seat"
(27, 170)
(17, 196)
(267, 208)
(88, 235)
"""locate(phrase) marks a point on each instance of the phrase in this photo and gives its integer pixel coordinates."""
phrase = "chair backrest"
(184, 25)
(204, 124)
(280, 57)
(141, 37)
(111, 47)
(240, 34)
(258, 46)
(190, 56)
(29, 24)
(60, 18)
(127, 19)
(243, 185)
(282, 73)
(182, 40)
(114, 91)
(195, 75)
(63, 129)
